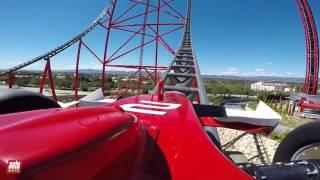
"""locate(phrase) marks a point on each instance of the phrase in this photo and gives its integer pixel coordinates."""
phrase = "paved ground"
(247, 145)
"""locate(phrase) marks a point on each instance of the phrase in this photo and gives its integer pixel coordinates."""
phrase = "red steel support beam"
(47, 71)
(51, 81)
(157, 43)
(103, 76)
(126, 12)
(163, 42)
(43, 78)
(164, 11)
(136, 67)
(10, 79)
(124, 44)
(94, 54)
(76, 78)
(125, 21)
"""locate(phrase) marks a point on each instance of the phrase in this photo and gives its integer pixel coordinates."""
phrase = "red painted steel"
(47, 72)
(161, 90)
(76, 78)
(106, 143)
(122, 22)
(10, 79)
(157, 42)
(117, 23)
(124, 19)
(305, 104)
(106, 46)
(209, 121)
(312, 48)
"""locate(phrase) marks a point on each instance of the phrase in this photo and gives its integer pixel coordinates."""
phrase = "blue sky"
(242, 37)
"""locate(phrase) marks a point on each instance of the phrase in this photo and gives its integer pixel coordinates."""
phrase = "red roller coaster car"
(141, 137)
(156, 136)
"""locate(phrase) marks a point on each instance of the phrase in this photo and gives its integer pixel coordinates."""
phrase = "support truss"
(312, 47)
(142, 24)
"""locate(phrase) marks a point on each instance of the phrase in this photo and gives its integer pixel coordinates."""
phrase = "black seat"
(14, 100)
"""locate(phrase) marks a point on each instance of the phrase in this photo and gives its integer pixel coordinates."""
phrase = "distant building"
(271, 86)
(22, 76)
(62, 77)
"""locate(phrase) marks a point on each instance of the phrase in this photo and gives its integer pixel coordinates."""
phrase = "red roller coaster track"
(312, 47)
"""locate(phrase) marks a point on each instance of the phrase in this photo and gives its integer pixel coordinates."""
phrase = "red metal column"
(51, 81)
(157, 44)
(106, 46)
(43, 78)
(47, 71)
(10, 79)
(76, 78)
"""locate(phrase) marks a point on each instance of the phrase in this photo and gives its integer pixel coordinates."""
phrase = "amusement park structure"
(309, 99)
(169, 133)
(182, 73)
(312, 48)
(147, 24)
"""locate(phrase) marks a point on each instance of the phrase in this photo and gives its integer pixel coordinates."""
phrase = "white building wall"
(259, 86)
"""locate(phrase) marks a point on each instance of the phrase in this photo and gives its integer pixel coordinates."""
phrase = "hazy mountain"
(226, 77)
(256, 78)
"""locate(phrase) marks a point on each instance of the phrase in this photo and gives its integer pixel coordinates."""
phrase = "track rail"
(183, 73)
(312, 48)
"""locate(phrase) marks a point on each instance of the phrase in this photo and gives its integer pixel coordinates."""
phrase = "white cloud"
(291, 74)
(256, 72)
(230, 71)
(269, 63)
(260, 71)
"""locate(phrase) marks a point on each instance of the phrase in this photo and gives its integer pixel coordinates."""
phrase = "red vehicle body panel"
(105, 143)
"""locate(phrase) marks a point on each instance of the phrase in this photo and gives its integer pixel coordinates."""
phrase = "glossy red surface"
(188, 151)
(209, 121)
(106, 143)
(69, 143)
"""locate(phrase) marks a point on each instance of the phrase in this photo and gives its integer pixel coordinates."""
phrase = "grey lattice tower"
(183, 73)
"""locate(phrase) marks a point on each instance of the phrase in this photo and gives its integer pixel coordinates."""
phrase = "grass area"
(279, 137)
(293, 122)
(253, 105)
(288, 121)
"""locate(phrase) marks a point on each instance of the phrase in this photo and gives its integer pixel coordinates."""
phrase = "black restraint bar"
(209, 111)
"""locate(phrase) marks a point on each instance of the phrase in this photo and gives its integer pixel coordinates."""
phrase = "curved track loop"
(312, 46)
